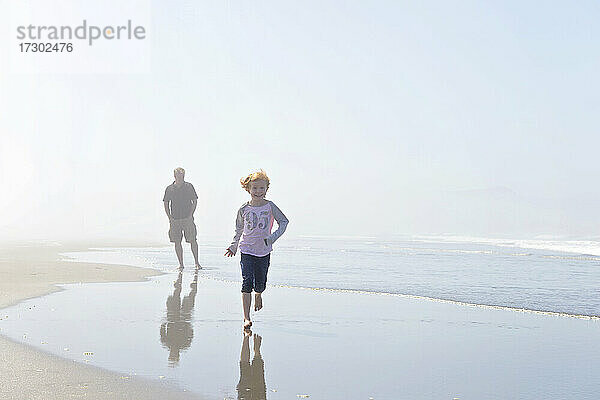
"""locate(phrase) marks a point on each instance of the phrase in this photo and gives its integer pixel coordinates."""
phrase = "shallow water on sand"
(499, 273)
(324, 344)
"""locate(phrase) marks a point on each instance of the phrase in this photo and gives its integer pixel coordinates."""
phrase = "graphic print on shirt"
(253, 221)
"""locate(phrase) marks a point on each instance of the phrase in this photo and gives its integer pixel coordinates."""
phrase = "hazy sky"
(370, 118)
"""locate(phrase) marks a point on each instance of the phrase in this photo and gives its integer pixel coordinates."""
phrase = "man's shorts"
(254, 272)
(181, 227)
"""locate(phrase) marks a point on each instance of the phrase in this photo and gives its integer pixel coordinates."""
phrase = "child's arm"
(282, 223)
(239, 228)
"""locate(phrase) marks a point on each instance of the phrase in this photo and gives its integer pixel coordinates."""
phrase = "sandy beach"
(31, 271)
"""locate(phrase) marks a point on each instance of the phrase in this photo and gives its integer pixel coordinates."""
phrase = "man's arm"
(194, 199)
(194, 204)
(167, 209)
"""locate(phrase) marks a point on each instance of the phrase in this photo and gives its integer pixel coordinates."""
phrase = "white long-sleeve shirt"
(253, 229)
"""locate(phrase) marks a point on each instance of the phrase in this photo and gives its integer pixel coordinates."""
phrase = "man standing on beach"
(180, 203)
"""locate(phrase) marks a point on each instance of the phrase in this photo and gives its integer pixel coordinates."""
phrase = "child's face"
(258, 188)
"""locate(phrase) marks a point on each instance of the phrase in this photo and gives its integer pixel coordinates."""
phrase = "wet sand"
(27, 373)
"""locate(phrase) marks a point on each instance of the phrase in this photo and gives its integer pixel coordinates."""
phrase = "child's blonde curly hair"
(255, 176)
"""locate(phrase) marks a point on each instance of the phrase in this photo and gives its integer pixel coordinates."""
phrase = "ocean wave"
(583, 247)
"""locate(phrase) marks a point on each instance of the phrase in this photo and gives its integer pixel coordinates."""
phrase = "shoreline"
(28, 271)
(565, 313)
(41, 270)
(446, 301)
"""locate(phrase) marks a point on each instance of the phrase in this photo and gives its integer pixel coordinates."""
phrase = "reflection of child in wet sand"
(254, 238)
(176, 334)
(252, 376)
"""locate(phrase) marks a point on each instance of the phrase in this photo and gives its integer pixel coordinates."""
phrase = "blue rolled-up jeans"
(254, 272)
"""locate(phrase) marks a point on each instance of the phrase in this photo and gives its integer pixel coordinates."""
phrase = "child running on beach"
(253, 235)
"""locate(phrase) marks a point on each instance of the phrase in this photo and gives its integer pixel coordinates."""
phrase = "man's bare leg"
(179, 252)
(194, 246)
(246, 303)
(257, 301)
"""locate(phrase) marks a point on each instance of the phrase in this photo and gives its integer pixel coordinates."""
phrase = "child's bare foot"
(257, 342)
(177, 283)
(247, 324)
(257, 301)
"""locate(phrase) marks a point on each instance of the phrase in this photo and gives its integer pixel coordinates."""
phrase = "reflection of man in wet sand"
(176, 334)
(180, 201)
(252, 376)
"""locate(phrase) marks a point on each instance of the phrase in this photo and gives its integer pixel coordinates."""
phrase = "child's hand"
(229, 253)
